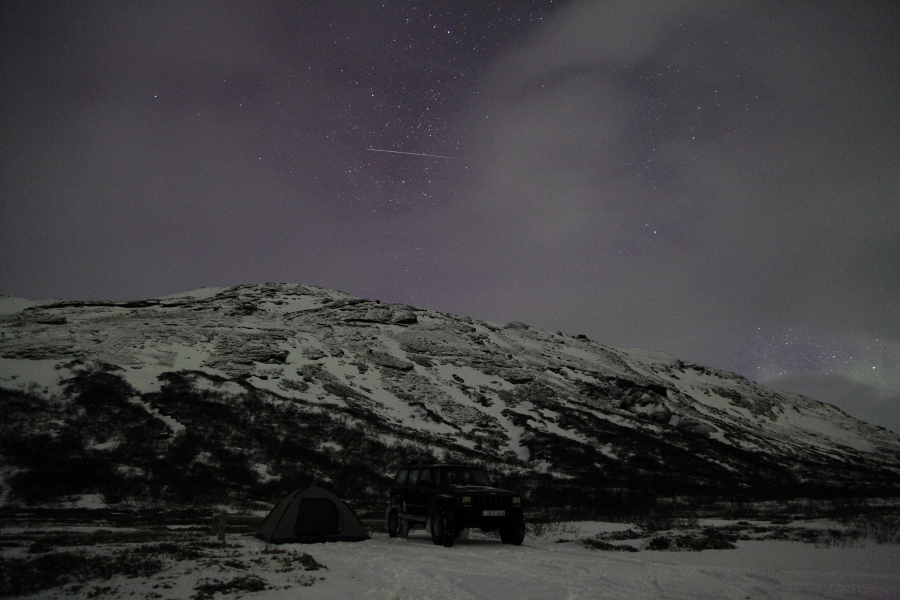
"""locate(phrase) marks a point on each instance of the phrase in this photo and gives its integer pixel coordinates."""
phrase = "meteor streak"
(413, 153)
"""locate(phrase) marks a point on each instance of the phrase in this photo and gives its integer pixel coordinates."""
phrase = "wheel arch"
(395, 502)
(441, 500)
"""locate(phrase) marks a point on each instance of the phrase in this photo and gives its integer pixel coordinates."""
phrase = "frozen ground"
(484, 568)
(192, 565)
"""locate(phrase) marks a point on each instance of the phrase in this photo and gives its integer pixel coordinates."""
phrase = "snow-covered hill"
(245, 390)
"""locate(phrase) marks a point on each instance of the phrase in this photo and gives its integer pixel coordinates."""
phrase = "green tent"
(309, 515)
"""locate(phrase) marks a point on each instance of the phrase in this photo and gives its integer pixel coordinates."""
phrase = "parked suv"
(448, 499)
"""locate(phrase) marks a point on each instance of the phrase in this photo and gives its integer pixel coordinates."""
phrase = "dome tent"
(309, 515)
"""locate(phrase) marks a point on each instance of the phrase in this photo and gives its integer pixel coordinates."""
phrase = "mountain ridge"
(247, 388)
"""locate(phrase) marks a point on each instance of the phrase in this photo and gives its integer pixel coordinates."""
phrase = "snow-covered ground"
(484, 568)
(481, 567)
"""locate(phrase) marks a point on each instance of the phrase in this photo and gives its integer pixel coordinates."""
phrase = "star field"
(398, 76)
(710, 179)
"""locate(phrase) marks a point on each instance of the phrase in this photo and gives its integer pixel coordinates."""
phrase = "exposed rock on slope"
(246, 390)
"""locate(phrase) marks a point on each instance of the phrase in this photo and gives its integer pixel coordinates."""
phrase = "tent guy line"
(413, 153)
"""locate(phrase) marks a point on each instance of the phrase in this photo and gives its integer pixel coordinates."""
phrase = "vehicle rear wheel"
(443, 527)
(393, 523)
(513, 533)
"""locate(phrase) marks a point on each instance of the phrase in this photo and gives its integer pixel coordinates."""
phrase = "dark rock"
(391, 362)
(517, 419)
(52, 321)
(313, 354)
(420, 360)
(404, 317)
(516, 376)
(695, 426)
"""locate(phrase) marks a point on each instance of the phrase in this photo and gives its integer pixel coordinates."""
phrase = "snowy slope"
(408, 379)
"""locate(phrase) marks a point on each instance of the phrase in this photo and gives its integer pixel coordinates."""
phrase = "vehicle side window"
(401, 477)
(413, 477)
(480, 478)
(425, 478)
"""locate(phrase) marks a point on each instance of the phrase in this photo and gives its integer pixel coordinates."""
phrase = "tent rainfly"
(309, 515)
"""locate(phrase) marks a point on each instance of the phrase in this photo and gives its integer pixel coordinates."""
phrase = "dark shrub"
(659, 543)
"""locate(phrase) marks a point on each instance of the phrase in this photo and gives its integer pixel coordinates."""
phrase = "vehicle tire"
(443, 526)
(393, 523)
(512, 533)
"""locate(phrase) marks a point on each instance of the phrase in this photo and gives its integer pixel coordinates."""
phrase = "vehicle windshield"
(462, 476)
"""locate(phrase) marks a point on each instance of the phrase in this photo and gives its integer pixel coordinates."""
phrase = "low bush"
(659, 543)
(600, 545)
(22, 576)
(206, 589)
(291, 561)
(538, 529)
(708, 539)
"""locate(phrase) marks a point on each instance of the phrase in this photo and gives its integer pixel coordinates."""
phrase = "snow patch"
(171, 423)
(263, 474)
(10, 305)
(34, 375)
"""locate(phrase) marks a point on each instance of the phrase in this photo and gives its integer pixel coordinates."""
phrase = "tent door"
(316, 517)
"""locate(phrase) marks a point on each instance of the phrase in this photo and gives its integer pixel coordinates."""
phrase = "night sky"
(716, 180)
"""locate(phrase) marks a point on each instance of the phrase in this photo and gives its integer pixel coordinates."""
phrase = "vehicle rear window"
(401, 477)
(413, 477)
(425, 477)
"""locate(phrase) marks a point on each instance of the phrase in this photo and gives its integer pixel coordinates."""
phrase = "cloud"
(674, 175)
(138, 154)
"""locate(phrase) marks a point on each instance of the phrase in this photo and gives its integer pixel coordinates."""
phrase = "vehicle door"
(411, 493)
(426, 490)
(398, 487)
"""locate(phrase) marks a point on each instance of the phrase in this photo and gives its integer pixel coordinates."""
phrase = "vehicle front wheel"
(397, 526)
(512, 533)
(443, 526)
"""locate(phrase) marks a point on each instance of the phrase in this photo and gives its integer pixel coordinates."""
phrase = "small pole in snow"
(222, 526)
